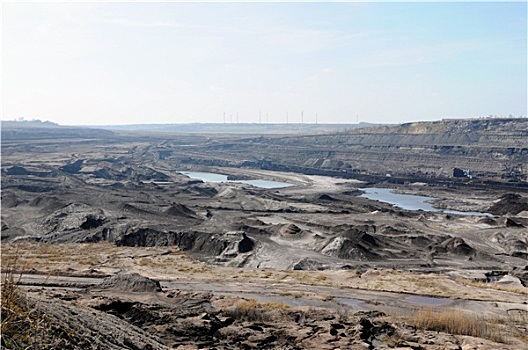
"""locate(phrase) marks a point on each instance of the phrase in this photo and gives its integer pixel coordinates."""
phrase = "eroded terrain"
(229, 265)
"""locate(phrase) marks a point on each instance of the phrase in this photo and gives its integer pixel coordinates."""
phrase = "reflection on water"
(408, 201)
(213, 177)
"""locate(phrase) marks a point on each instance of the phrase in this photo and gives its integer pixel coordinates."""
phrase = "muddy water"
(409, 202)
(212, 177)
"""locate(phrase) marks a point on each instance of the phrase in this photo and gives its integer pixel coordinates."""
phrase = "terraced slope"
(492, 149)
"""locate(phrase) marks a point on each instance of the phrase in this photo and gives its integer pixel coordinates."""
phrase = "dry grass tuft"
(496, 286)
(253, 311)
(454, 321)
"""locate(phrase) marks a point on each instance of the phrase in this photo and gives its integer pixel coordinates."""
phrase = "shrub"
(251, 310)
(454, 321)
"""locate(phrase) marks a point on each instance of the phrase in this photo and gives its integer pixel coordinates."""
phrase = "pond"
(409, 201)
(213, 177)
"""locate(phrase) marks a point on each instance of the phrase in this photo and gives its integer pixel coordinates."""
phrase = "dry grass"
(292, 293)
(485, 285)
(253, 311)
(454, 321)
(23, 324)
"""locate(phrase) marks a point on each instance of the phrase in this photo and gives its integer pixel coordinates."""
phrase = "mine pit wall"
(370, 177)
(495, 150)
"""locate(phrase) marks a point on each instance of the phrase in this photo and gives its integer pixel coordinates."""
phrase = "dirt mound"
(10, 200)
(202, 191)
(47, 202)
(454, 245)
(180, 210)
(509, 222)
(129, 208)
(74, 217)
(308, 264)
(17, 170)
(73, 168)
(133, 282)
(325, 197)
(227, 193)
(510, 203)
(345, 248)
(290, 230)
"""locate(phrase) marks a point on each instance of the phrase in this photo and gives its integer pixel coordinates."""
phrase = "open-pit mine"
(411, 236)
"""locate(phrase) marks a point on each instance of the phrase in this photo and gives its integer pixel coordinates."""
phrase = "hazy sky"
(127, 63)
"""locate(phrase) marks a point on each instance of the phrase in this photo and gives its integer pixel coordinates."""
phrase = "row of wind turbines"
(267, 119)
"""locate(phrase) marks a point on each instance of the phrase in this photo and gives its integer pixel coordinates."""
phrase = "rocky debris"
(132, 282)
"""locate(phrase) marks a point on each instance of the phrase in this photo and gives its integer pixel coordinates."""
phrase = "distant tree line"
(35, 122)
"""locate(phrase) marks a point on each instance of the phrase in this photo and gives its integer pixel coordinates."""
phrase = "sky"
(95, 63)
